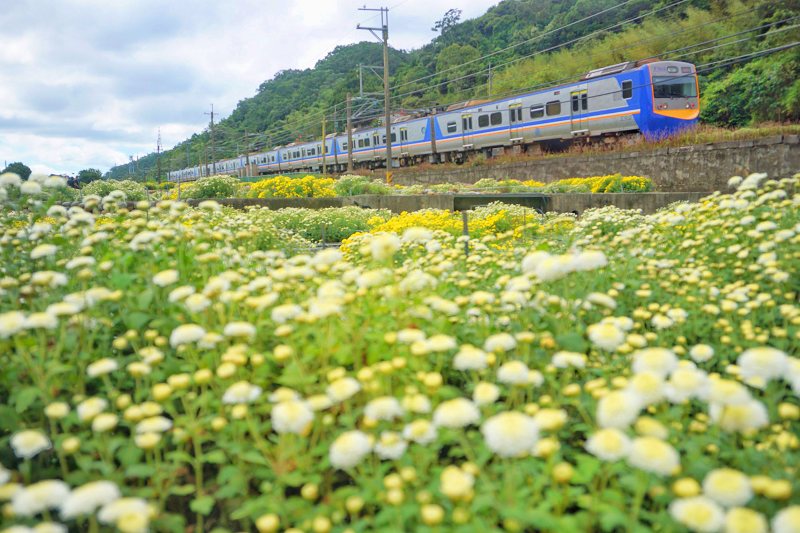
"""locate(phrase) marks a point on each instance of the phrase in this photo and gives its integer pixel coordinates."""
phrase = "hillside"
(557, 43)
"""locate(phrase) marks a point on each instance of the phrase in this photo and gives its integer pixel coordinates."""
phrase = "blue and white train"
(656, 99)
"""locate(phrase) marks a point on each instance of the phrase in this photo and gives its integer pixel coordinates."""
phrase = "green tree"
(22, 169)
(447, 22)
(89, 175)
(450, 65)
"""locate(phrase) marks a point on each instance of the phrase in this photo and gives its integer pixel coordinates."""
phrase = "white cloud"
(88, 82)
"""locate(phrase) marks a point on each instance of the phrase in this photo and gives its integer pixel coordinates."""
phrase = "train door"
(515, 123)
(402, 140)
(466, 131)
(579, 105)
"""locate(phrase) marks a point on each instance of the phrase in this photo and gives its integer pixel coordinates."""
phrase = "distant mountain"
(519, 44)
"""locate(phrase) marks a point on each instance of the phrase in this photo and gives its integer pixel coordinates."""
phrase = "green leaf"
(8, 418)
(25, 398)
(216, 457)
(572, 341)
(140, 470)
(255, 457)
(182, 490)
(202, 505)
(129, 455)
(145, 298)
(136, 320)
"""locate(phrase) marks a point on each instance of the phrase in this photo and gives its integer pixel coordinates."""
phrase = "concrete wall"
(699, 168)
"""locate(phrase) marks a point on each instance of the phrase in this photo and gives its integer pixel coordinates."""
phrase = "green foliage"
(447, 22)
(351, 185)
(218, 186)
(133, 191)
(337, 223)
(21, 169)
(89, 175)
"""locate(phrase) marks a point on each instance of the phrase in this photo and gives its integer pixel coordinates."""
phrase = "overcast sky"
(85, 83)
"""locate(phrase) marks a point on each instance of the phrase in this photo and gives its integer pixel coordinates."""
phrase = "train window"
(575, 106)
(584, 101)
(553, 108)
(366, 141)
(361, 143)
(627, 89)
(483, 121)
(451, 127)
(344, 146)
(394, 137)
(466, 123)
(515, 114)
(376, 141)
(537, 111)
(403, 135)
(496, 118)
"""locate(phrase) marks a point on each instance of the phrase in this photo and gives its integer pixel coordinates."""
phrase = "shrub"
(287, 187)
(133, 190)
(219, 186)
(352, 185)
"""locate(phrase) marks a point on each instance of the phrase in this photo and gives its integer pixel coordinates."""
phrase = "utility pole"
(323, 143)
(349, 135)
(247, 152)
(213, 153)
(384, 29)
(158, 156)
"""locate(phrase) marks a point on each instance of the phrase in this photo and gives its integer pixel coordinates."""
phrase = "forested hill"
(520, 44)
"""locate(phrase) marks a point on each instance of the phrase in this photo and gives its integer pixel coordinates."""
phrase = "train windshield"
(674, 87)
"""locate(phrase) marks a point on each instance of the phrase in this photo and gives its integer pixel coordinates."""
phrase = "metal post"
(349, 135)
(465, 231)
(323, 144)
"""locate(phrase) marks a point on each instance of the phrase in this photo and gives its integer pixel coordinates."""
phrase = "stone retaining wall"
(698, 168)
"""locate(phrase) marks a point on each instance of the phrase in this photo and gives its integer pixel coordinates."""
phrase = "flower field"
(167, 368)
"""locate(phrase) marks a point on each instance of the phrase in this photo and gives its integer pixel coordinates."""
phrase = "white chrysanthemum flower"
(727, 487)
(180, 293)
(209, 205)
(87, 498)
(10, 179)
(390, 446)
(104, 422)
(701, 352)
(420, 431)
(740, 417)
(470, 358)
(606, 336)
(601, 299)
(41, 320)
(550, 419)
(154, 424)
(11, 323)
(241, 392)
(186, 334)
(686, 382)
(343, 389)
(90, 408)
(510, 434)
(101, 367)
(440, 343)
(568, 359)
(698, 513)
(762, 363)
(44, 250)
(349, 449)
(30, 187)
(416, 403)
(485, 393)
(410, 336)
(113, 511)
(647, 386)
(653, 455)
(196, 303)
(240, 329)
(383, 408)
(456, 413)
(618, 409)
(29, 443)
(39, 497)
(787, 520)
(166, 277)
(743, 520)
(292, 416)
(659, 361)
(500, 342)
(286, 312)
(609, 444)
(513, 373)
(456, 483)
(5, 475)
(417, 234)
(383, 246)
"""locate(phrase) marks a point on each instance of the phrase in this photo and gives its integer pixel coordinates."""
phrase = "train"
(652, 98)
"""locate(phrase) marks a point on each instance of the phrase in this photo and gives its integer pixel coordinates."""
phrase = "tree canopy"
(23, 170)
(89, 175)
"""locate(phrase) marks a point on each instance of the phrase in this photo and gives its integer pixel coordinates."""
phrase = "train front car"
(672, 92)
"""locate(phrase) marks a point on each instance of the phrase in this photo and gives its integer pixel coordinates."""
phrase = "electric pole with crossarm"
(384, 29)
(213, 154)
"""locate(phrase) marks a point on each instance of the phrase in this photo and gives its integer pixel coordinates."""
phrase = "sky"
(86, 83)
